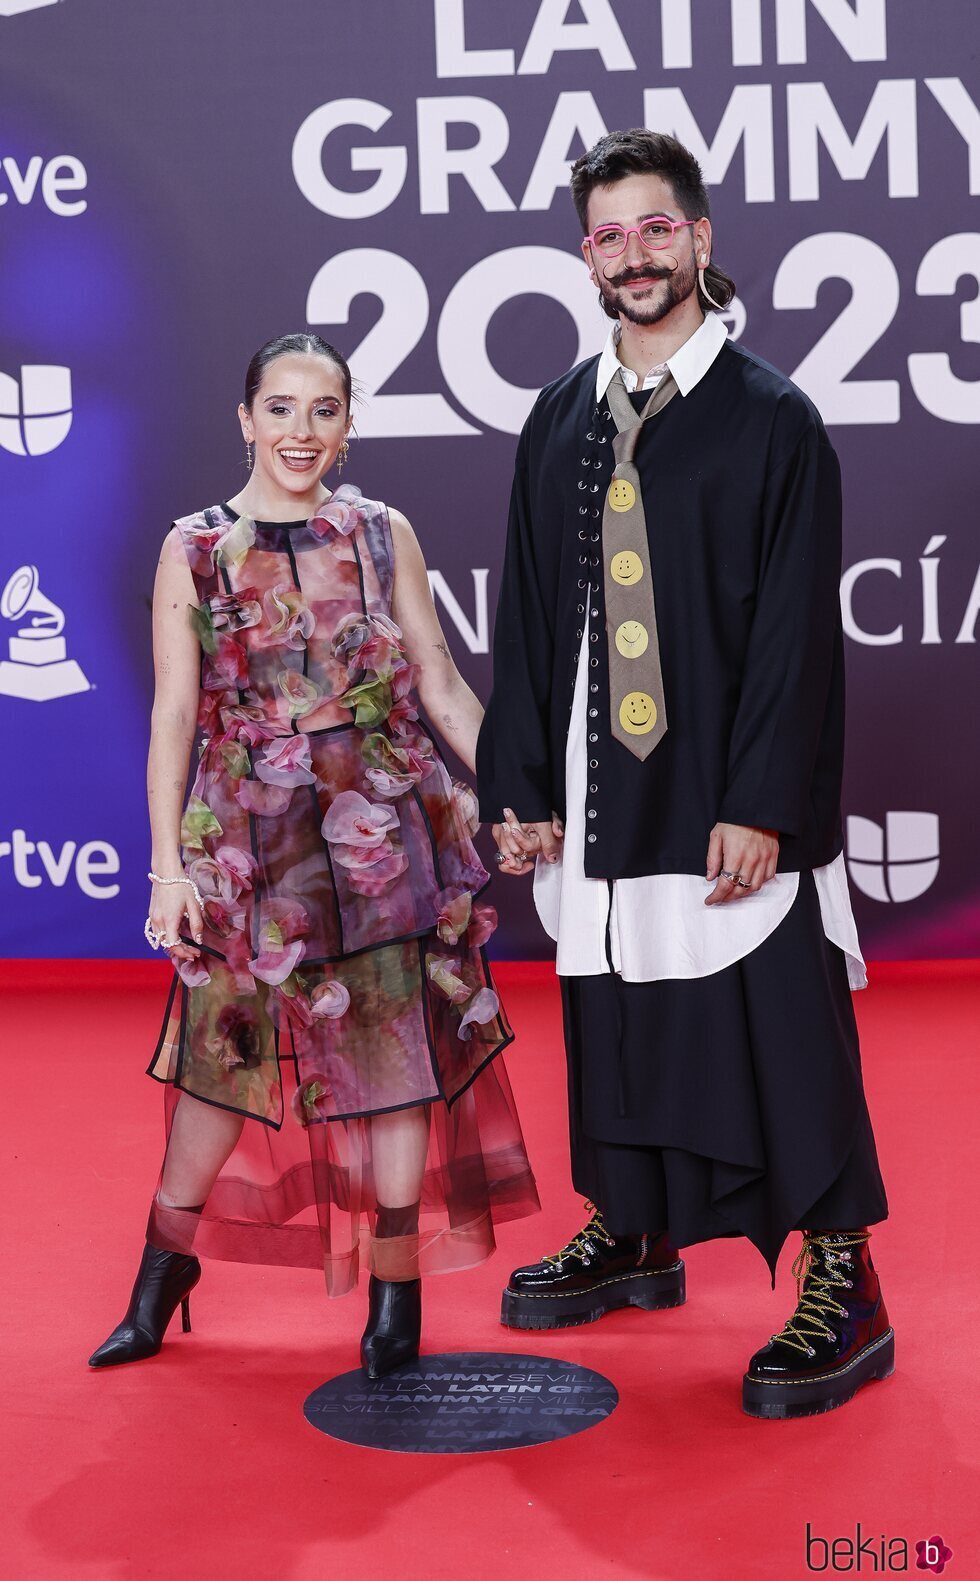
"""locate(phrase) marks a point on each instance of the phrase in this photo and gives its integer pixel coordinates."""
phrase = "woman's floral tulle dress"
(343, 974)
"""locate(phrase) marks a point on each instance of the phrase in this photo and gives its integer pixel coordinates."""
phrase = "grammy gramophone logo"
(38, 667)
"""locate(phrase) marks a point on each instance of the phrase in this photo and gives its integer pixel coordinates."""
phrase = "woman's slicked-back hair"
(640, 152)
(306, 344)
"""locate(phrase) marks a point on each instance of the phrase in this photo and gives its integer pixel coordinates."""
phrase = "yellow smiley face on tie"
(638, 713)
(626, 568)
(622, 495)
(632, 639)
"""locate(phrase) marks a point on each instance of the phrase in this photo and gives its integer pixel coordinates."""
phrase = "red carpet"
(199, 1464)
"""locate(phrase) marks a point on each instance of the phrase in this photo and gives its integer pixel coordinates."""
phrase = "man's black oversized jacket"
(741, 489)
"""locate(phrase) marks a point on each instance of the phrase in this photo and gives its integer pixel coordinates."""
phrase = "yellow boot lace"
(815, 1290)
(582, 1245)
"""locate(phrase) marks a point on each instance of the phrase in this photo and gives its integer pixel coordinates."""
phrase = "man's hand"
(741, 860)
(519, 843)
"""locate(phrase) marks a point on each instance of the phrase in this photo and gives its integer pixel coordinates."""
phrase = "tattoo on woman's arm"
(447, 720)
(440, 647)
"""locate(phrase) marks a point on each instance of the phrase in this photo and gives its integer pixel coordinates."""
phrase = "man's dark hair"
(640, 152)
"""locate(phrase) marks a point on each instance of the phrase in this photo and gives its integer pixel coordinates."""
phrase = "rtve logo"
(35, 412)
(93, 866)
(52, 178)
(15, 7)
(896, 863)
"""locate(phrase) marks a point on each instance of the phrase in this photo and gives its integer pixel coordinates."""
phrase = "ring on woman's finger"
(499, 856)
(733, 878)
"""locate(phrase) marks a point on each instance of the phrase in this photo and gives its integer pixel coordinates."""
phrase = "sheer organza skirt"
(307, 1195)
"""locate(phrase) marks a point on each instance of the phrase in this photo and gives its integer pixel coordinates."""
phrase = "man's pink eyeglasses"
(655, 234)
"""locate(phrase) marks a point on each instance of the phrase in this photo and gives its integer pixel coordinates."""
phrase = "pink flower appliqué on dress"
(194, 973)
(354, 821)
(483, 924)
(235, 611)
(291, 621)
(358, 833)
(443, 972)
(367, 642)
(281, 948)
(481, 1009)
(340, 514)
(227, 666)
(329, 1001)
(455, 908)
(403, 710)
(308, 1100)
(393, 770)
(286, 761)
(302, 695)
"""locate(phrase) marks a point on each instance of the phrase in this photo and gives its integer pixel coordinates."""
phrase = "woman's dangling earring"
(342, 455)
(248, 453)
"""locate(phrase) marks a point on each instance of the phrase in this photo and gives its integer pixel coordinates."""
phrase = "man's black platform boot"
(594, 1274)
(838, 1339)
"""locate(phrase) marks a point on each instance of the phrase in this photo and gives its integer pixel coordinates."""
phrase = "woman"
(329, 1045)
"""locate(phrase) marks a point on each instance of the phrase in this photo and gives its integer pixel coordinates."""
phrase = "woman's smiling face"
(298, 421)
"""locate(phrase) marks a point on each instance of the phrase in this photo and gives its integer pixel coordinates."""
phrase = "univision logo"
(896, 863)
(15, 7)
(35, 412)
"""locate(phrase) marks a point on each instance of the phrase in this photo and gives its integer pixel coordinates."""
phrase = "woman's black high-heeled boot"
(394, 1326)
(164, 1283)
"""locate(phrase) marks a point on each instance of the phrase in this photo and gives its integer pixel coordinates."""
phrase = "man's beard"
(676, 286)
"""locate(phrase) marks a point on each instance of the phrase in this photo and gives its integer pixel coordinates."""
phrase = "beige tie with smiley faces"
(637, 710)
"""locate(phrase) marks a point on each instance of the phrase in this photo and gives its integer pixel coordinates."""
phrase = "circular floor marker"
(463, 1403)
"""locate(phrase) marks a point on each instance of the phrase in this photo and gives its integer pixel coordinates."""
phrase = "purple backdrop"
(180, 181)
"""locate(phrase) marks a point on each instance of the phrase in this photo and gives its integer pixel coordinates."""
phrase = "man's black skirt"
(725, 1105)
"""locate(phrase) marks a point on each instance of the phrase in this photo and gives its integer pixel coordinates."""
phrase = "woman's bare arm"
(177, 661)
(452, 707)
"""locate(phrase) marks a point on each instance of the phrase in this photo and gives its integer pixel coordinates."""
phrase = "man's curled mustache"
(629, 276)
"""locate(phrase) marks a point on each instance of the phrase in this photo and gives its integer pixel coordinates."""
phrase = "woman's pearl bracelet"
(156, 879)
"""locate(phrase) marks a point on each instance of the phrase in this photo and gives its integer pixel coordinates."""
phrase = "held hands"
(519, 843)
(741, 860)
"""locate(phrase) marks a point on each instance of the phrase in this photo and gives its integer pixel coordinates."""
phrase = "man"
(665, 736)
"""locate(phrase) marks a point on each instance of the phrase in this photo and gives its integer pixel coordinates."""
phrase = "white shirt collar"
(689, 363)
